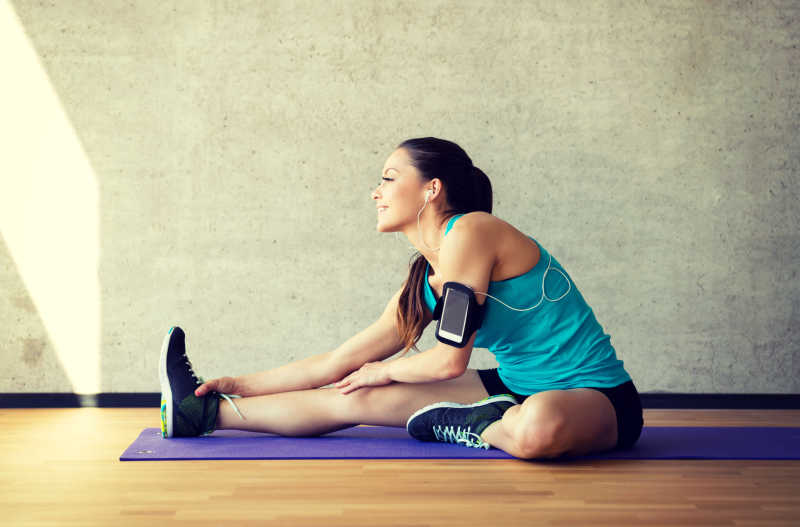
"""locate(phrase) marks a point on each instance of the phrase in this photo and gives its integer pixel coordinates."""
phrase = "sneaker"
(458, 423)
(183, 414)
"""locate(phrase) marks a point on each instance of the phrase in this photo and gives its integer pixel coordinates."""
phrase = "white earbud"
(428, 195)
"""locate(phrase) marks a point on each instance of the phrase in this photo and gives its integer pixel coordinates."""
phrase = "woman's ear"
(436, 187)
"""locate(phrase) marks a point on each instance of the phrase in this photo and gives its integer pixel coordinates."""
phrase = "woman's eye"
(387, 179)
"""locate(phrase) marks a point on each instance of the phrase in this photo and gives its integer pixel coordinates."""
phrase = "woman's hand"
(226, 385)
(370, 374)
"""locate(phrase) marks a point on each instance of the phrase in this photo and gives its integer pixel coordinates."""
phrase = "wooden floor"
(60, 467)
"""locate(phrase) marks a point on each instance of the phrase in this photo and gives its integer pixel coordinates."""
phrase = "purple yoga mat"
(381, 442)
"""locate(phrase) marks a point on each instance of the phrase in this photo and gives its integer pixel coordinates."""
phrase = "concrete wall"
(209, 164)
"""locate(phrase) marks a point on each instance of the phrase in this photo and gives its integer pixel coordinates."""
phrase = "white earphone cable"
(544, 295)
(419, 229)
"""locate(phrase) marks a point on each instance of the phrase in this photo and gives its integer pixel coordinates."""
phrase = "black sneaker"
(183, 414)
(458, 423)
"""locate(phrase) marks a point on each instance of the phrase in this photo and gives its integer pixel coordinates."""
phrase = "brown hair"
(468, 189)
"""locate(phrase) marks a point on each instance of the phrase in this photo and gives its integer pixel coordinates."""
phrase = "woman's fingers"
(350, 387)
(346, 380)
(370, 374)
(223, 385)
(204, 388)
(346, 384)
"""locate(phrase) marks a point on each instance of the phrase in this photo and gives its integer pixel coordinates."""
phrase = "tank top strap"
(430, 298)
(451, 222)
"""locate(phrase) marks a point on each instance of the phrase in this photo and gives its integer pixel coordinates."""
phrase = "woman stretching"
(559, 389)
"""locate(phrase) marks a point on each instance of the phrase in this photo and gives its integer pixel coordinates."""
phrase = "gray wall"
(231, 147)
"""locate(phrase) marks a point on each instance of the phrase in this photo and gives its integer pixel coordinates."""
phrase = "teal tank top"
(556, 346)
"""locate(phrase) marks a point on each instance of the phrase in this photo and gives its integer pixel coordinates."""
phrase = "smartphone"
(454, 316)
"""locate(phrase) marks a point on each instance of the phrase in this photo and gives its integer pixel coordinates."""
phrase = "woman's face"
(401, 193)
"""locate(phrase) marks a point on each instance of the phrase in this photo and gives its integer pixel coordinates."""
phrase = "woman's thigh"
(393, 404)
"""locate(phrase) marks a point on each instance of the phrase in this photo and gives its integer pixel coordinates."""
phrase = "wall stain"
(33, 349)
(24, 302)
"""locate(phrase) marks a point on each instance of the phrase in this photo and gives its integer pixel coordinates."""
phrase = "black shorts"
(624, 398)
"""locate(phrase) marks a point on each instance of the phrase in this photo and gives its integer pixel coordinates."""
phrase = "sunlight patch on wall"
(49, 207)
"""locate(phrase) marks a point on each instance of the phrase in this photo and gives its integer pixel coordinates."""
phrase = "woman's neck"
(428, 241)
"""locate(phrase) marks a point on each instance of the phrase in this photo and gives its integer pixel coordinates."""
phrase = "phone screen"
(454, 313)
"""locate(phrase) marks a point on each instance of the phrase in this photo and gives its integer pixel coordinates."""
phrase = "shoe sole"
(166, 392)
(490, 399)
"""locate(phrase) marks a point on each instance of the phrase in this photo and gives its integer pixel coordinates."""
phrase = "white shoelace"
(462, 436)
(228, 397)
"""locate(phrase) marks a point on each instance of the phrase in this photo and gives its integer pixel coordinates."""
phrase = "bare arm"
(374, 343)
(439, 363)
(303, 374)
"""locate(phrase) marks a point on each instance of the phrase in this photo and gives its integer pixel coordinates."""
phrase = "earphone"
(544, 295)
(419, 229)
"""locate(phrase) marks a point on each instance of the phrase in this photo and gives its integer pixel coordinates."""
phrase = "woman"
(559, 390)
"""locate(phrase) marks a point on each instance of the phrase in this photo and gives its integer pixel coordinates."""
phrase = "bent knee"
(541, 438)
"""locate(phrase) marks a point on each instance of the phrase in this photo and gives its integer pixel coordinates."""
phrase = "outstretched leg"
(324, 410)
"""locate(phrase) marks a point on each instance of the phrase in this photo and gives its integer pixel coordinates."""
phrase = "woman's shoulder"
(483, 223)
(514, 253)
(476, 230)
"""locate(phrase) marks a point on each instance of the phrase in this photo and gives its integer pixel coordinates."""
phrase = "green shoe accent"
(196, 416)
(481, 417)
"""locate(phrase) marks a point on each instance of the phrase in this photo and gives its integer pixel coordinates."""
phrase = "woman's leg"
(324, 410)
(553, 423)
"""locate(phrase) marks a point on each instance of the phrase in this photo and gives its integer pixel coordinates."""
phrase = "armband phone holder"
(458, 314)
